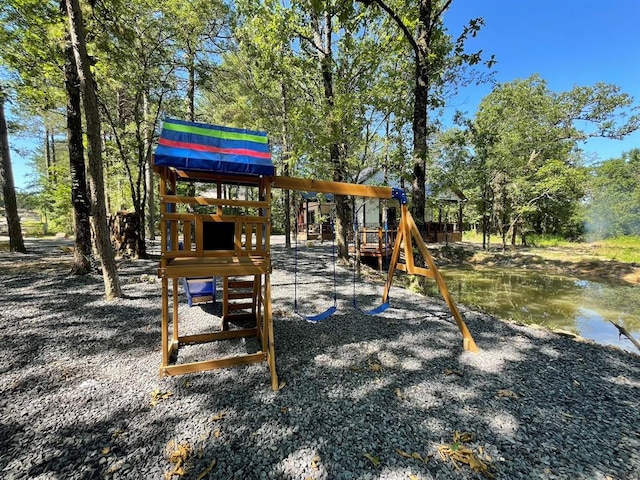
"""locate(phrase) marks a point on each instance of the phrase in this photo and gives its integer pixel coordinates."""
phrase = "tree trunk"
(94, 144)
(140, 186)
(420, 106)
(53, 157)
(148, 173)
(336, 158)
(79, 197)
(16, 242)
(419, 154)
(191, 104)
(47, 151)
(191, 83)
(141, 250)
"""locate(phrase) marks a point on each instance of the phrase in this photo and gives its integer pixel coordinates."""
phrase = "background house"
(443, 215)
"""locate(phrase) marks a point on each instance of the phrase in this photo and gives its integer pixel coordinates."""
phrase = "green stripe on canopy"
(215, 133)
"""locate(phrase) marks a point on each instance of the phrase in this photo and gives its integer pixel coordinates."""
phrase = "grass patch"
(32, 228)
(622, 249)
(548, 241)
(473, 236)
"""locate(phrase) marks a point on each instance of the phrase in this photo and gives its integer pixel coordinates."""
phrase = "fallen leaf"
(375, 367)
(457, 453)
(450, 371)
(413, 477)
(217, 433)
(157, 396)
(218, 416)
(115, 467)
(372, 459)
(403, 453)
(314, 462)
(178, 453)
(417, 456)
(106, 450)
(180, 471)
(207, 471)
(398, 392)
(508, 393)
(117, 433)
(464, 437)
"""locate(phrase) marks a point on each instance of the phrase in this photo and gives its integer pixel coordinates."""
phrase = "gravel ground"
(362, 397)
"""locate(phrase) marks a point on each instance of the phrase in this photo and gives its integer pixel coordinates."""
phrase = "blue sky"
(566, 42)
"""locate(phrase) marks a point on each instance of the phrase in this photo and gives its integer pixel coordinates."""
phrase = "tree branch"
(444, 8)
(398, 21)
(625, 332)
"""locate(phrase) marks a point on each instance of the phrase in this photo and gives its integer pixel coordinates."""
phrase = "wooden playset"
(206, 237)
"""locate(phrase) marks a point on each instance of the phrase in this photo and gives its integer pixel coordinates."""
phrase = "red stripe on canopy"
(207, 148)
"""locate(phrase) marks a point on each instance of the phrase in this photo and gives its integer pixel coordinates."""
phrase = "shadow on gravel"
(358, 392)
(546, 408)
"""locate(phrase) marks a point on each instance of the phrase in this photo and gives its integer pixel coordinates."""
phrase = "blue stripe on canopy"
(212, 148)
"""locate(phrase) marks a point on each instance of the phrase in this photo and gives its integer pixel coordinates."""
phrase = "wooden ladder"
(240, 300)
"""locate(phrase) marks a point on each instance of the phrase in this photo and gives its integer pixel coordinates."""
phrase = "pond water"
(579, 306)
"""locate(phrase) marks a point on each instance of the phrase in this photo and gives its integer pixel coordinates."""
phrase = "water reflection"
(555, 301)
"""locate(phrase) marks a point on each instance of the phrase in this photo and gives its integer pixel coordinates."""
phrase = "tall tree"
(94, 150)
(16, 242)
(527, 138)
(613, 197)
(34, 49)
(338, 46)
(79, 197)
(433, 53)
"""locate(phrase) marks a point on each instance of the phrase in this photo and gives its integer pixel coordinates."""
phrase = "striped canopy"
(211, 148)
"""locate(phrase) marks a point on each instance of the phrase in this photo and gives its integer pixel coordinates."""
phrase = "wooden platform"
(375, 243)
(222, 266)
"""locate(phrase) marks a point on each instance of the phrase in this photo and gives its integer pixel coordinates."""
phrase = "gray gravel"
(77, 375)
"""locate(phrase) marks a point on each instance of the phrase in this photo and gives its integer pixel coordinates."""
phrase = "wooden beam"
(337, 188)
(268, 333)
(213, 201)
(174, 307)
(425, 272)
(395, 258)
(213, 336)
(165, 322)
(210, 217)
(202, 366)
(467, 339)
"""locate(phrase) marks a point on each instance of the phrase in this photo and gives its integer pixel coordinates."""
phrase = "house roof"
(193, 146)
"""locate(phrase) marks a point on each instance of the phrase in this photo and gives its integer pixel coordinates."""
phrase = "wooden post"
(268, 321)
(468, 343)
(165, 322)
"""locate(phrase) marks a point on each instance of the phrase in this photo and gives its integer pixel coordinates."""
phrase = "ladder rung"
(239, 306)
(239, 295)
(240, 316)
(240, 283)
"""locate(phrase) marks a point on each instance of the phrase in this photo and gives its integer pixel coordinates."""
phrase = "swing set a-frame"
(212, 236)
